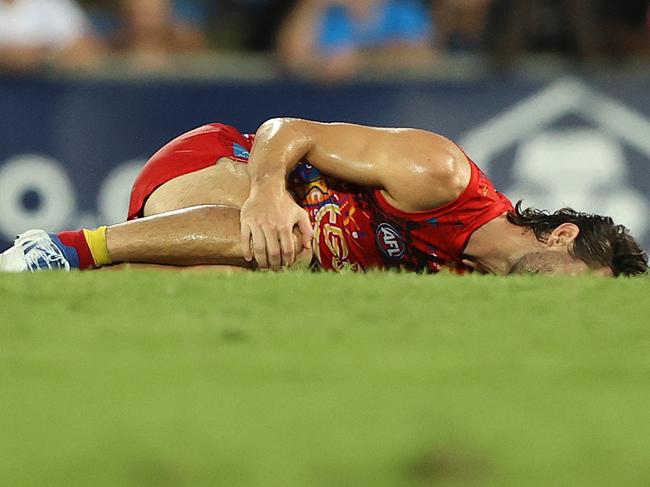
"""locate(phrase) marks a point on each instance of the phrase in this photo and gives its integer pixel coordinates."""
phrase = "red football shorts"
(192, 151)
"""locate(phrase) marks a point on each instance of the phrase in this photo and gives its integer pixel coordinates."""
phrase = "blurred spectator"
(248, 24)
(626, 26)
(34, 33)
(581, 28)
(150, 32)
(335, 39)
(461, 24)
(567, 26)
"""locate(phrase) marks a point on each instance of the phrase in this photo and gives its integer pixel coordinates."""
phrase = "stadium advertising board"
(69, 150)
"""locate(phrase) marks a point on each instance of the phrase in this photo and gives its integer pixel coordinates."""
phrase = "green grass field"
(313, 380)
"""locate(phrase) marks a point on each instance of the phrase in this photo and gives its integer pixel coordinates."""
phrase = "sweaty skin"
(415, 169)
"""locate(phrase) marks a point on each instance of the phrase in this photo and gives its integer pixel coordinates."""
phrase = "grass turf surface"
(165, 379)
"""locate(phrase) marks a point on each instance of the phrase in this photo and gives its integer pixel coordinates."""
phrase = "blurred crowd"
(330, 39)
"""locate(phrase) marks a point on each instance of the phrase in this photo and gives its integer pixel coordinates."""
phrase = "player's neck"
(498, 245)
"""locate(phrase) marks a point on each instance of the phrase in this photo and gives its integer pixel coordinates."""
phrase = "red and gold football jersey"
(356, 228)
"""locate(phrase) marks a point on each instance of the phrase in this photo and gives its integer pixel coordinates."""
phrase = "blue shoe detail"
(36, 250)
(70, 253)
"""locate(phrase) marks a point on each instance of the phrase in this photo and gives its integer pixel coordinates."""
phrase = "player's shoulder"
(435, 171)
(441, 158)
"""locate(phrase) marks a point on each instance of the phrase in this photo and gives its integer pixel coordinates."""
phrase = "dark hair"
(599, 243)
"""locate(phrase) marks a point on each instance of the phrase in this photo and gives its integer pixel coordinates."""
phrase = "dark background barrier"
(70, 148)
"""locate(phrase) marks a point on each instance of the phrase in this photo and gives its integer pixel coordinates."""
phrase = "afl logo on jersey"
(390, 241)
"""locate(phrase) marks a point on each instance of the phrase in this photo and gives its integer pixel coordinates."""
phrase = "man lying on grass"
(341, 196)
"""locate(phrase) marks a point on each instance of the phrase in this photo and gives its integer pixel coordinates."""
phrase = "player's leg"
(203, 170)
(198, 235)
(189, 220)
(194, 236)
(193, 169)
(207, 234)
(192, 220)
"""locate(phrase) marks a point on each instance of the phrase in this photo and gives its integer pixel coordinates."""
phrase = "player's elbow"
(277, 124)
(294, 133)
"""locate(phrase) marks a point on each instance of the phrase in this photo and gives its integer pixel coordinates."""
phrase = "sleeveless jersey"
(356, 228)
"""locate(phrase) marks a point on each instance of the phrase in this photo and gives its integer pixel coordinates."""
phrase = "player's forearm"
(349, 152)
(279, 146)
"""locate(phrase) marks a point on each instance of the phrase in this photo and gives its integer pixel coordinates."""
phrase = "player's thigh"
(225, 183)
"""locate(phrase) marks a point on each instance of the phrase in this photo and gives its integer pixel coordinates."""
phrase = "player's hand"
(474, 266)
(267, 230)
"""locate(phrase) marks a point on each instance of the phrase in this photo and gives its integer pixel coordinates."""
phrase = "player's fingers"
(245, 242)
(474, 266)
(286, 246)
(272, 247)
(259, 247)
(469, 263)
(304, 224)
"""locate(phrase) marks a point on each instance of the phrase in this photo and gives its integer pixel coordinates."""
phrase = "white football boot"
(36, 250)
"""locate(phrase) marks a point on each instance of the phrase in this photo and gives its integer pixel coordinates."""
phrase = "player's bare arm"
(417, 171)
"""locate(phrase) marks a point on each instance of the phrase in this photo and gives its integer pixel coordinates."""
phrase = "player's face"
(555, 263)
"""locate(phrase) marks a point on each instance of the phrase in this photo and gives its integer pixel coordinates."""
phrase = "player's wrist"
(267, 185)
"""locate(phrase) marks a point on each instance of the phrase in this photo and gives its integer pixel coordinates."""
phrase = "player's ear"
(563, 235)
